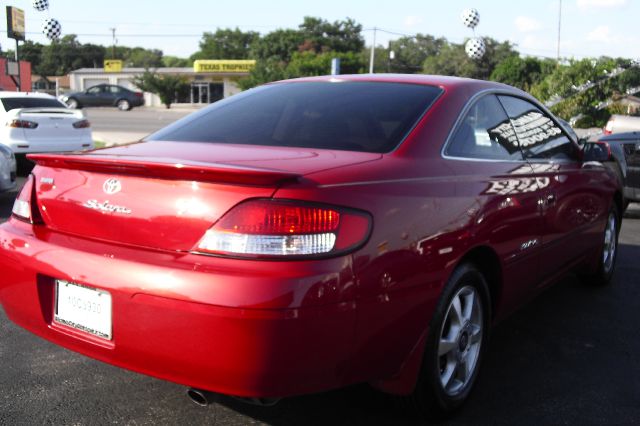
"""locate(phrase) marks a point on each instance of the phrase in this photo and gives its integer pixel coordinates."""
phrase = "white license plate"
(84, 308)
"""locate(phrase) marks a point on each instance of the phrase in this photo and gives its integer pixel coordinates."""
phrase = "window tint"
(485, 133)
(356, 116)
(114, 89)
(31, 102)
(95, 90)
(539, 136)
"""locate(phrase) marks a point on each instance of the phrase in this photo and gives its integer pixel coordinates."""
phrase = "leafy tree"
(323, 36)
(32, 52)
(266, 70)
(280, 44)
(167, 86)
(304, 64)
(412, 52)
(67, 54)
(225, 44)
(453, 60)
(523, 73)
(174, 61)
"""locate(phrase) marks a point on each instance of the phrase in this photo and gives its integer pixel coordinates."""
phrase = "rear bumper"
(30, 147)
(193, 324)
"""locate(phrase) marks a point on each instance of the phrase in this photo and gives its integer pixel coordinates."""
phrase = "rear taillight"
(138, 94)
(22, 124)
(608, 128)
(82, 124)
(22, 205)
(274, 228)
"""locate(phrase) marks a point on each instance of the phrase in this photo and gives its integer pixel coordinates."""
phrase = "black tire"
(73, 103)
(431, 399)
(123, 105)
(608, 254)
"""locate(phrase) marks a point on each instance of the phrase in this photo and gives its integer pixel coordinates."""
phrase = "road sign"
(13, 67)
(15, 23)
(112, 65)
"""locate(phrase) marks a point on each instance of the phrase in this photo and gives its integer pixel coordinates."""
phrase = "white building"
(209, 80)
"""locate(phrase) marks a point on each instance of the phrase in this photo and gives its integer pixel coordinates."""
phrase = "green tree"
(305, 64)
(225, 44)
(453, 60)
(323, 36)
(167, 86)
(412, 52)
(523, 73)
(174, 61)
(280, 44)
(266, 70)
(67, 54)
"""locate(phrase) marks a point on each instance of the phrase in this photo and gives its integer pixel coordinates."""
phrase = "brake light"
(274, 228)
(82, 124)
(138, 94)
(22, 124)
(22, 205)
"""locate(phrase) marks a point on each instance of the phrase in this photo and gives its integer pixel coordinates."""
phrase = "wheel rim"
(73, 104)
(124, 105)
(609, 251)
(460, 341)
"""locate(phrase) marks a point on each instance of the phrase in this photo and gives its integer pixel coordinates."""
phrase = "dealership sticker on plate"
(83, 308)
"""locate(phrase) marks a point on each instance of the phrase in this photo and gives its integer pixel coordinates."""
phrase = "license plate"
(84, 308)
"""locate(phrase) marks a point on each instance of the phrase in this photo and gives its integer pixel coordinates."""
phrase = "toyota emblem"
(111, 186)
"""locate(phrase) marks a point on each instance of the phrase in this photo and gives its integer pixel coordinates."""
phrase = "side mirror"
(596, 151)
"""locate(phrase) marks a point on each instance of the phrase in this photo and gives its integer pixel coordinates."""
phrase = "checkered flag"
(40, 5)
(470, 17)
(52, 29)
(475, 48)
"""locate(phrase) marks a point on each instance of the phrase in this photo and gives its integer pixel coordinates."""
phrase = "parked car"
(7, 169)
(37, 122)
(625, 148)
(621, 123)
(105, 95)
(310, 234)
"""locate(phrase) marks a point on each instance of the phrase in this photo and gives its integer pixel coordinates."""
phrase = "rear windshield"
(354, 116)
(13, 103)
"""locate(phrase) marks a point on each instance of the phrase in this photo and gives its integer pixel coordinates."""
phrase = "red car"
(310, 234)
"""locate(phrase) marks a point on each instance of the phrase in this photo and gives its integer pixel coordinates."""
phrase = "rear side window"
(355, 116)
(539, 136)
(485, 133)
(30, 102)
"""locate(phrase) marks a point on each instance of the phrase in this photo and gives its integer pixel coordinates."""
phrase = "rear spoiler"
(165, 168)
(46, 110)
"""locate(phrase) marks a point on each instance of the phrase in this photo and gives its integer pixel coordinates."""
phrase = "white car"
(7, 169)
(37, 122)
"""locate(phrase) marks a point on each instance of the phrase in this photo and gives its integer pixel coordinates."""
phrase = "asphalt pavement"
(113, 126)
(569, 357)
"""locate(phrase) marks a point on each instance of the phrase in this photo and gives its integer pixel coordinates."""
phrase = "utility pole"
(559, 27)
(373, 51)
(113, 48)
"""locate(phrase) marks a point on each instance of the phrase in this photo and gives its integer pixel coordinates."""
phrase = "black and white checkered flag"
(40, 5)
(51, 28)
(470, 17)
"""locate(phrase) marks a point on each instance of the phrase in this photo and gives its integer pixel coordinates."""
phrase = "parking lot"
(567, 358)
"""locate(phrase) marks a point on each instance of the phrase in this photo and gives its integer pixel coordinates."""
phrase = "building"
(7, 83)
(208, 80)
(51, 84)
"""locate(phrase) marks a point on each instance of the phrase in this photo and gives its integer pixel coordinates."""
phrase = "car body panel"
(270, 328)
(626, 149)
(103, 95)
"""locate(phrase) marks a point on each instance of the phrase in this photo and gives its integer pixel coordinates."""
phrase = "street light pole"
(559, 27)
(373, 51)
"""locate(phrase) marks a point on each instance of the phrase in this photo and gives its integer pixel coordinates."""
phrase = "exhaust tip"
(199, 397)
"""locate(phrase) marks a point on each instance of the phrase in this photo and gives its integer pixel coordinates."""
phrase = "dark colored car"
(625, 148)
(105, 95)
(310, 234)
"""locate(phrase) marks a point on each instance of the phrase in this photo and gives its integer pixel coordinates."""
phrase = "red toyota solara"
(310, 234)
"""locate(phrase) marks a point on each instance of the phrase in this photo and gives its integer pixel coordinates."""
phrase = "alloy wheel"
(460, 340)
(609, 251)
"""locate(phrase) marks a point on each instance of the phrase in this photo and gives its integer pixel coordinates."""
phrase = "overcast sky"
(589, 27)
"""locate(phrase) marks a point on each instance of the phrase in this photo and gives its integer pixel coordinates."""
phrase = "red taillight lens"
(82, 124)
(22, 124)
(22, 205)
(285, 228)
(139, 94)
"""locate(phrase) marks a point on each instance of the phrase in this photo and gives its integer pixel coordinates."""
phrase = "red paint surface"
(286, 327)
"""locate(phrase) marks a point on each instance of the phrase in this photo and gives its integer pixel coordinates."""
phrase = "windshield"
(33, 102)
(355, 116)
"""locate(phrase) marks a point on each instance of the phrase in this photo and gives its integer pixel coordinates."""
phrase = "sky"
(590, 28)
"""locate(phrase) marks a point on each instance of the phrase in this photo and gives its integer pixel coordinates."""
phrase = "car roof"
(7, 94)
(445, 82)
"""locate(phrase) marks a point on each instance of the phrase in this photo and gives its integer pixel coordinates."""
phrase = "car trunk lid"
(54, 124)
(163, 195)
